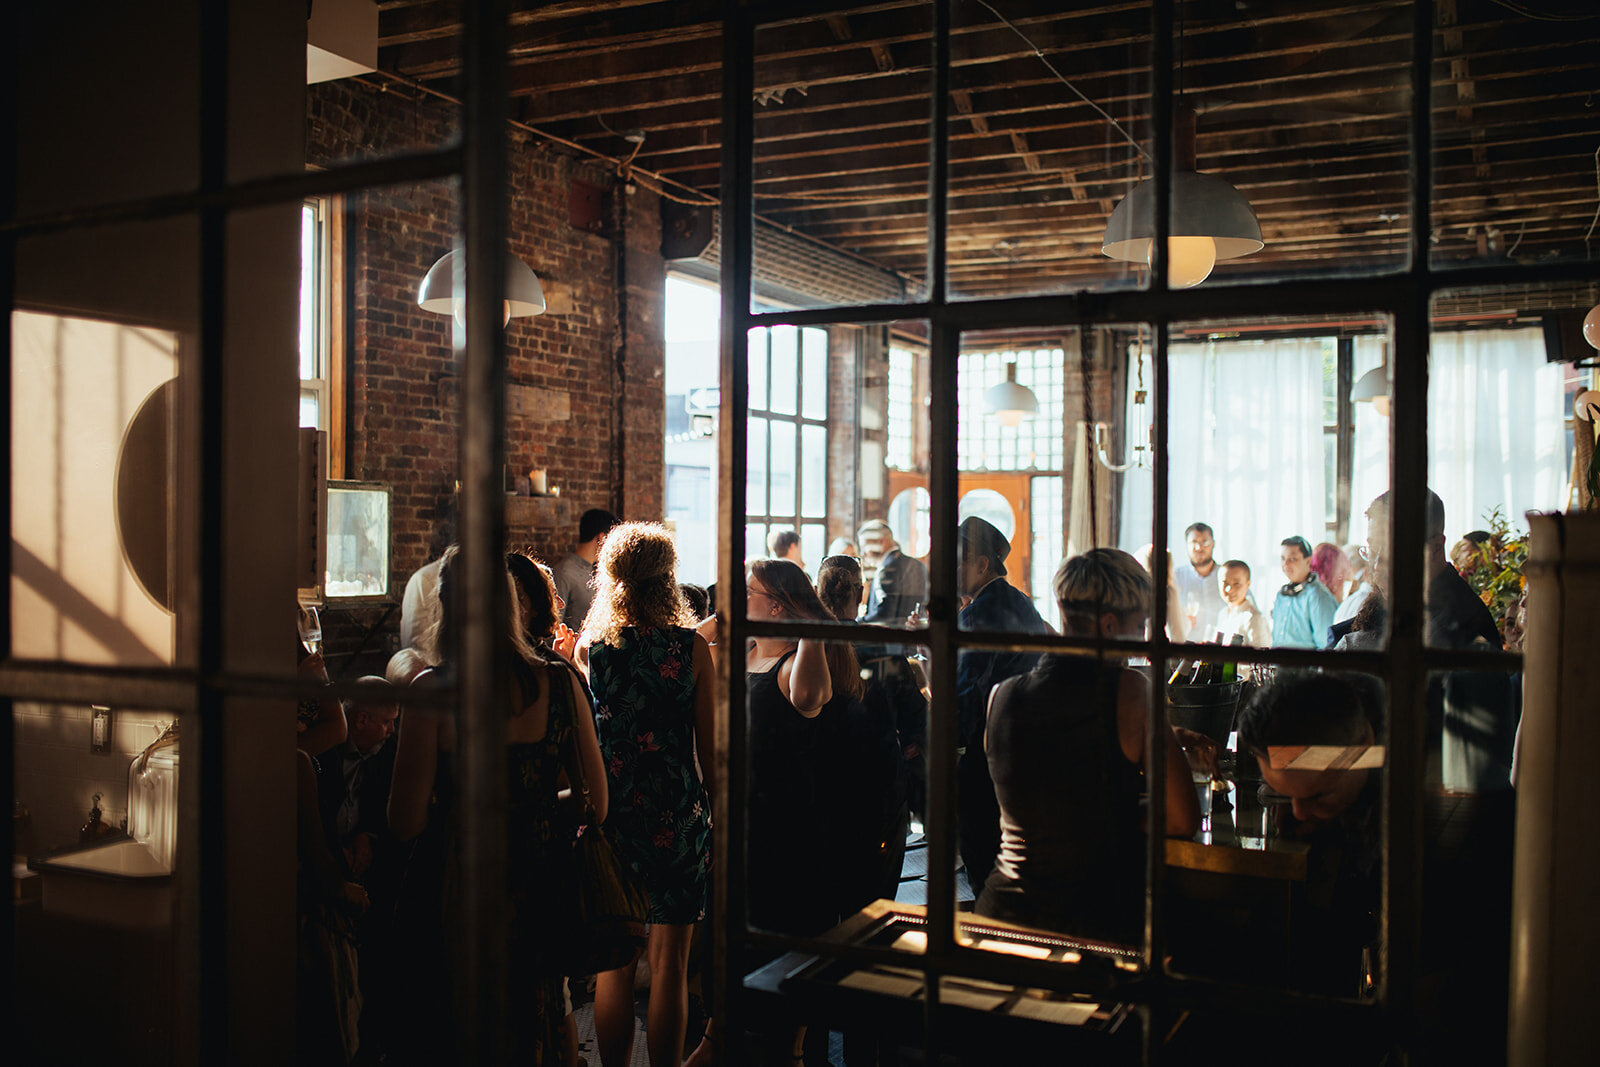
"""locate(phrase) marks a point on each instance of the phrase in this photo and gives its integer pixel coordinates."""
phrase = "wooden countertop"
(1236, 843)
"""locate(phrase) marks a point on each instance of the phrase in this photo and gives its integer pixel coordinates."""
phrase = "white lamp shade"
(1203, 205)
(524, 294)
(1373, 386)
(1010, 401)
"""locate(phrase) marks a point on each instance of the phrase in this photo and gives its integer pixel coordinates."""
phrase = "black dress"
(1072, 849)
(787, 871)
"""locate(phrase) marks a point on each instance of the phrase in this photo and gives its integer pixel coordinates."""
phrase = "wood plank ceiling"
(1302, 107)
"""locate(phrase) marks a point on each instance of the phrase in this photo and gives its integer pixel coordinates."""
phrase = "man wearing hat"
(992, 604)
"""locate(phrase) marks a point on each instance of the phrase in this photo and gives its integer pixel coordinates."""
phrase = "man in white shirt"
(1200, 582)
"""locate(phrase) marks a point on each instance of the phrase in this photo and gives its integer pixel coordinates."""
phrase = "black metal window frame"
(199, 692)
(1402, 296)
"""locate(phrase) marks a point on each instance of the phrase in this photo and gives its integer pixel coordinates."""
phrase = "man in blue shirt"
(992, 605)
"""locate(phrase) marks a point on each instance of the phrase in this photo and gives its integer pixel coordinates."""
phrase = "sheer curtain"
(1246, 445)
(1496, 430)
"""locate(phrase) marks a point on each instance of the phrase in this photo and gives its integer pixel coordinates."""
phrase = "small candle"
(555, 490)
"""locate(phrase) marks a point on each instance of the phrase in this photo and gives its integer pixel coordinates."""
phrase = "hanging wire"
(1586, 252)
(1062, 78)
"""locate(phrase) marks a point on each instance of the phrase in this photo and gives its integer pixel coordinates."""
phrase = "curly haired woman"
(654, 704)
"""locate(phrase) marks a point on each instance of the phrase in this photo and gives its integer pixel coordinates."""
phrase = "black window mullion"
(1161, 26)
(942, 602)
(737, 229)
(483, 656)
(1345, 446)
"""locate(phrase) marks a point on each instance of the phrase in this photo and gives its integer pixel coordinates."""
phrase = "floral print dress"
(660, 817)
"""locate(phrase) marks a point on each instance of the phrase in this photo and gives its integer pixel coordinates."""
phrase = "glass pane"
(785, 370)
(1284, 828)
(1048, 130)
(755, 541)
(813, 545)
(1255, 478)
(693, 400)
(356, 111)
(1497, 428)
(814, 471)
(82, 811)
(784, 469)
(310, 409)
(312, 281)
(755, 479)
(814, 372)
(1049, 517)
(1299, 167)
(758, 368)
(903, 408)
(828, 837)
(840, 156)
(1513, 110)
(95, 565)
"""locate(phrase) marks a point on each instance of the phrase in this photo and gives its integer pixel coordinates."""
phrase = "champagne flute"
(310, 629)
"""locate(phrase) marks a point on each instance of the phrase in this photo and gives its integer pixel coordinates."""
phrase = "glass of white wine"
(310, 629)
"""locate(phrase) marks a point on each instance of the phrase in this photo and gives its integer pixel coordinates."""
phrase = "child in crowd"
(1239, 615)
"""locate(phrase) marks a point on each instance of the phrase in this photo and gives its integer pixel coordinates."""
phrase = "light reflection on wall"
(76, 385)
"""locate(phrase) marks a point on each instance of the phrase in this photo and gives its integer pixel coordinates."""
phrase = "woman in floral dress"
(652, 680)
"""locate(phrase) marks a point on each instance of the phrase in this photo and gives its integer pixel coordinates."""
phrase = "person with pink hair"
(1333, 567)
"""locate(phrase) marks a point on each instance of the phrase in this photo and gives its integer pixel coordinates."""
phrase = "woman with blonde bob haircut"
(1066, 747)
(653, 684)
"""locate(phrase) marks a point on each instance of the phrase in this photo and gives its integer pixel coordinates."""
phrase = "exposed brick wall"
(602, 442)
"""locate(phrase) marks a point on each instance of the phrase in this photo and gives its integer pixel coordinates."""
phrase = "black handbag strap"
(576, 772)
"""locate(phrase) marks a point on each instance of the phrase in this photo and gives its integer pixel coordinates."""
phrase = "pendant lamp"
(1010, 402)
(1210, 219)
(1373, 386)
(524, 294)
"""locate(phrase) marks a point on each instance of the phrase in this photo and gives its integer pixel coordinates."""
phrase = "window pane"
(1049, 540)
(95, 565)
(814, 363)
(310, 408)
(758, 368)
(840, 153)
(755, 541)
(785, 370)
(311, 283)
(1497, 425)
(1035, 166)
(814, 471)
(1330, 480)
(784, 472)
(902, 409)
(997, 438)
(813, 546)
(755, 479)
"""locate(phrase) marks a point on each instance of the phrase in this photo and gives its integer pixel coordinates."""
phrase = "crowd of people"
(610, 719)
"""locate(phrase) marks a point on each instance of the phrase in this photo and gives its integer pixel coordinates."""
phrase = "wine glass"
(310, 629)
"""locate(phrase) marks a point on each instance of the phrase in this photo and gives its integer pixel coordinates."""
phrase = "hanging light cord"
(1586, 254)
(1062, 78)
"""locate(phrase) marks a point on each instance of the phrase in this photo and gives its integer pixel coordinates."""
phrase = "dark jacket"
(999, 606)
(900, 585)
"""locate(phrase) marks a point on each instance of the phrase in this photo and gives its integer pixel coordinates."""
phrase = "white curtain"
(1496, 430)
(1247, 453)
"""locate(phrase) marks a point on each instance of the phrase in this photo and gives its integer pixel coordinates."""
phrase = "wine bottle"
(1230, 672)
(1179, 672)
